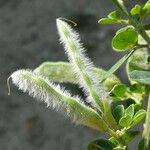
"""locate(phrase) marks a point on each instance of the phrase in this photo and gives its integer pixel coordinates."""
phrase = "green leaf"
(57, 72)
(140, 76)
(112, 21)
(109, 116)
(115, 15)
(119, 90)
(136, 10)
(108, 21)
(114, 141)
(109, 83)
(138, 61)
(116, 66)
(122, 42)
(118, 112)
(130, 111)
(138, 117)
(137, 88)
(57, 98)
(147, 6)
(101, 144)
(63, 72)
(125, 121)
(81, 64)
(130, 135)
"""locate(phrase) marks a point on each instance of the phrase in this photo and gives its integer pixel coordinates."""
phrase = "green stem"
(147, 126)
(121, 6)
(119, 139)
(144, 35)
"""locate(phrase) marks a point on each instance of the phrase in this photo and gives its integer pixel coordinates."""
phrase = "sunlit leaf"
(63, 72)
(118, 112)
(125, 121)
(136, 10)
(130, 111)
(108, 21)
(122, 42)
(147, 6)
(119, 90)
(115, 15)
(138, 117)
(58, 99)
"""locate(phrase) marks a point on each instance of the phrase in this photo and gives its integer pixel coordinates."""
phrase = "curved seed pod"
(82, 66)
(58, 99)
(62, 72)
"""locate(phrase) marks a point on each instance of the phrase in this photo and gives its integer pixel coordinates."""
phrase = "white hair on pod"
(82, 65)
(56, 97)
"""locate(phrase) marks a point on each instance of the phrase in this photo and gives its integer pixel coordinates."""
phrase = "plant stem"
(138, 26)
(144, 35)
(119, 139)
(146, 132)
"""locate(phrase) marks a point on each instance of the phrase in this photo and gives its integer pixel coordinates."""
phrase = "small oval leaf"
(125, 39)
(130, 111)
(118, 112)
(107, 21)
(138, 117)
(125, 121)
(119, 90)
(115, 15)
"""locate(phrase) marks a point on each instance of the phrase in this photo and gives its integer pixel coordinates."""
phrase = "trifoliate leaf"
(130, 111)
